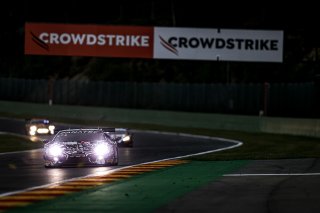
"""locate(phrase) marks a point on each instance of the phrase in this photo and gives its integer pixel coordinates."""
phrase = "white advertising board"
(218, 44)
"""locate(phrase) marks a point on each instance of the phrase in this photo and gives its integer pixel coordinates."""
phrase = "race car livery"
(123, 136)
(80, 147)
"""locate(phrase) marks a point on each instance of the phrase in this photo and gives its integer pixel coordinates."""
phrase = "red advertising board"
(154, 42)
(88, 40)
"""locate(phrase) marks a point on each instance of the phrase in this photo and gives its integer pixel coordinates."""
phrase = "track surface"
(286, 186)
(262, 186)
(19, 171)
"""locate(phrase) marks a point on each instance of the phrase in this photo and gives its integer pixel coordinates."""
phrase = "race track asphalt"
(262, 186)
(286, 185)
(22, 170)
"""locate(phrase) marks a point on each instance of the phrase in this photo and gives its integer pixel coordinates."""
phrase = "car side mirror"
(45, 141)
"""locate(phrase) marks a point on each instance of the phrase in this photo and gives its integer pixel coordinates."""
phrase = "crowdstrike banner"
(214, 44)
(154, 42)
(88, 40)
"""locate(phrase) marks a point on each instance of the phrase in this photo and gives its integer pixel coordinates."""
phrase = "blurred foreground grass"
(10, 143)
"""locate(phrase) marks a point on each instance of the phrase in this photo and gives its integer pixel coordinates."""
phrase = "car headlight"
(55, 150)
(126, 138)
(32, 133)
(101, 149)
(51, 127)
(33, 128)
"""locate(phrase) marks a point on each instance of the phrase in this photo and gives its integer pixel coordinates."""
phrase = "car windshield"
(39, 122)
(79, 135)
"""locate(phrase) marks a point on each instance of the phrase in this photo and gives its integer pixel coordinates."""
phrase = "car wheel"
(113, 164)
(115, 158)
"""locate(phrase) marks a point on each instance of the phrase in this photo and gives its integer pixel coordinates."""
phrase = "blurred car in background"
(123, 136)
(80, 147)
(39, 126)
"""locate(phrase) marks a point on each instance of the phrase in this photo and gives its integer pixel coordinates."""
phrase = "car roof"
(81, 130)
(38, 120)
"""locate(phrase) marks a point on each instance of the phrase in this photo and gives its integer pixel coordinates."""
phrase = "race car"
(123, 136)
(39, 126)
(81, 147)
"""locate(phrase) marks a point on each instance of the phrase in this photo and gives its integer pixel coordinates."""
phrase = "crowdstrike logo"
(39, 42)
(89, 39)
(168, 46)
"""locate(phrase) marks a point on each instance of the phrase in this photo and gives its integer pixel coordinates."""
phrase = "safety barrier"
(286, 100)
(292, 126)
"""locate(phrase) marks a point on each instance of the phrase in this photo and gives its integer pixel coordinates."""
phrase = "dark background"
(299, 23)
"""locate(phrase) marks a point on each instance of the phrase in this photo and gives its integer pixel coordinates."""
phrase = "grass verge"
(10, 143)
(260, 146)
(255, 145)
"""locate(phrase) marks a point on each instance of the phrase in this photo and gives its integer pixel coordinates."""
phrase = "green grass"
(10, 143)
(255, 145)
(263, 146)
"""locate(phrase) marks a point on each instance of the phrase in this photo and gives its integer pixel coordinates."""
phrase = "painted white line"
(18, 135)
(237, 144)
(9, 118)
(191, 136)
(276, 174)
(17, 152)
(13, 134)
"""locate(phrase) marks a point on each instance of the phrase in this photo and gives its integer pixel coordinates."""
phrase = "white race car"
(81, 147)
(123, 136)
(39, 126)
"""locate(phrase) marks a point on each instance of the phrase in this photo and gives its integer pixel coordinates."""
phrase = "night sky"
(296, 18)
(299, 22)
(165, 12)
